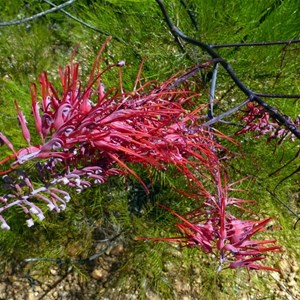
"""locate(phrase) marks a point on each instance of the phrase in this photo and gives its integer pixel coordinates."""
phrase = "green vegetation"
(140, 33)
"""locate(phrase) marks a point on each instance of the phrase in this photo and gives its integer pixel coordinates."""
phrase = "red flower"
(214, 230)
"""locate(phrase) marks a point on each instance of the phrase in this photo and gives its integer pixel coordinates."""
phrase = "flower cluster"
(211, 227)
(259, 121)
(89, 133)
(21, 192)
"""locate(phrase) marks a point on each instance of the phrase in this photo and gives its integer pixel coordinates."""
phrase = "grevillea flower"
(213, 229)
(258, 121)
(150, 127)
(88, 133)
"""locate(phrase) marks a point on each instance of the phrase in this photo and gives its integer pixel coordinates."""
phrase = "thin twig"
(282, 61)
(287, 177)
(246, 90)
(210, 113)
(286, 164)
(55, 284)
(225, 114)
(283, 287)
(190, 13)
(217, 46)
(286, 206)
(277, 96)
(191, 73)
(84, 23)
(41, 14)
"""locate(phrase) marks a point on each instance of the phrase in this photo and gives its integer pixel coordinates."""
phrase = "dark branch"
(217, 46)
(277, 96)
(41, 14)
(248, 92)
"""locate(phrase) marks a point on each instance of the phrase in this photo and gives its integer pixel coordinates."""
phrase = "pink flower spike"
(22, 120)
(26, 154)
(256, 243)
(195, 234)
(248, 263)
(61, 115)
(35, 110)
(5, 140)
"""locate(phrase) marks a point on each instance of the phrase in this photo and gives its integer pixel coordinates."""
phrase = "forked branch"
(251, 95)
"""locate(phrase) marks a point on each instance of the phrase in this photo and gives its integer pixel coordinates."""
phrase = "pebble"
(101, 286)
(2, 287)
(55, 294)
(117, 250)
(17, 284)
(284, 268)
(198, 280)
(38, 289)
(295, 268)
(292, 283)
(53, 272)
(281, 294)
(99, 274)
(152, 296)
(276, 276)
(196, 270)
(31, 296)
(168, 266)
(70, 279)
(14, 278)
(67, 288)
